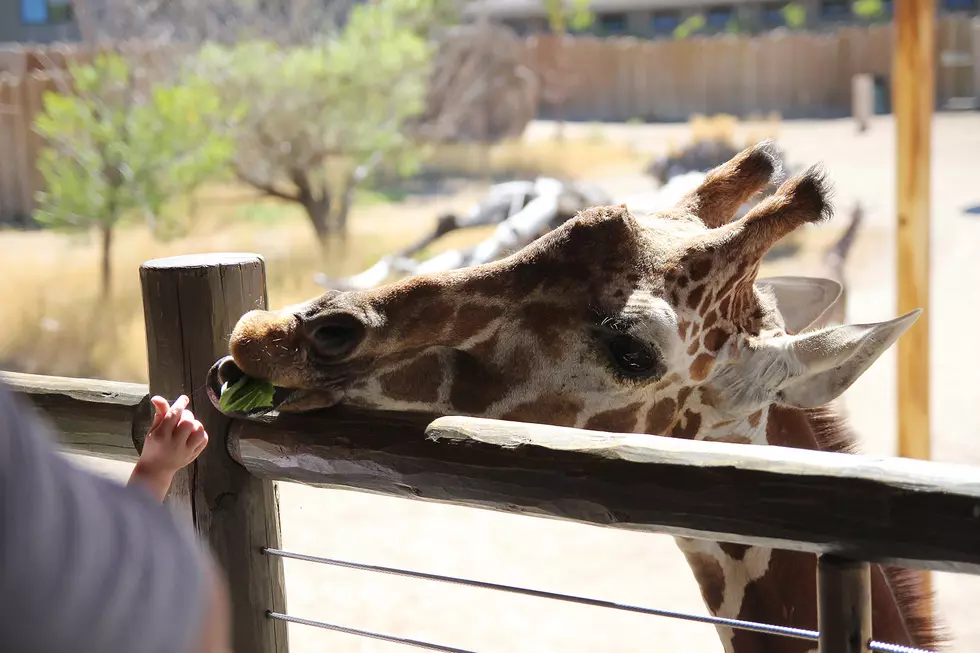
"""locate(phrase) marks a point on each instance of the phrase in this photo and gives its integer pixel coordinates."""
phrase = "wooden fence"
(795, 74)
(910, 513)
(615, 79)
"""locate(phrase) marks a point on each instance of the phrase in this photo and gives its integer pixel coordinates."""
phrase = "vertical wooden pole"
(913, 99)
(862, 100)
(843, 605)
(191, 304)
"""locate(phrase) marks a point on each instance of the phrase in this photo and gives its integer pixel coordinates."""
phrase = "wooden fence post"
(191, 304)
(843, 605)
(914, 98)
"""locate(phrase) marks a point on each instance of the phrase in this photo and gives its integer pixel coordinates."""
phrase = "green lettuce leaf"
(246, 394)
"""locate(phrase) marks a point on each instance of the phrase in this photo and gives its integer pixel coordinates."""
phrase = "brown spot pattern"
(733, 438)
(690, 428)
(694, 297)
(715, 339)
(550, 409)
(708, 397)
(547, 322)
(476, 385)
(786, 594)
(725, 305)
(701, 367)
(682, 328)
(705, 303)
(734, 551)
(661, 416)
(682, 396)
(755, 418)
(471, 318)
(617, 420)
(711, 579)
(419, 380)
(699, 269)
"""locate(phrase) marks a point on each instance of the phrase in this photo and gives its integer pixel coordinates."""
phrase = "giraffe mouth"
(292, 400)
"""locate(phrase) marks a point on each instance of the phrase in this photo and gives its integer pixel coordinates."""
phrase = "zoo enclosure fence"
(794, 74)
(910, 513)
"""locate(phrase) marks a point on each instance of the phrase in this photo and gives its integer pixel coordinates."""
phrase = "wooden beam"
(914, 97)
(107, 419)
(898, 511)
(843, 605)
(191, 304)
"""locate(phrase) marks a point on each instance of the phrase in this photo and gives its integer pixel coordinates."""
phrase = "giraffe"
(654, 324)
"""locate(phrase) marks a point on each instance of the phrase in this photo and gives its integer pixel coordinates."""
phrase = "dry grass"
(54, 322)
(562, 159)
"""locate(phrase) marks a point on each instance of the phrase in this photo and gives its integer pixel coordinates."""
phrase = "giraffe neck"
(780, 587)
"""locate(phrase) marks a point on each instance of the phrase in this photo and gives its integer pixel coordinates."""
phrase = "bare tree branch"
(268, 189)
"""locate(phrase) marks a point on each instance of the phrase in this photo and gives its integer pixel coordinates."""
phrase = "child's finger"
(198, 440)
(161, 406)
(169, 420)
(185, 426)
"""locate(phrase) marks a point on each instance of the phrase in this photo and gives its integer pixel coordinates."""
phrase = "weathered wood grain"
(914, 100)
(843, 605)
(191, 304)
(107, 419)
(899, 511)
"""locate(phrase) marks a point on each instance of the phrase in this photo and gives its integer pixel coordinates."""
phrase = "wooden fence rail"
(844, 507)
(902, 511)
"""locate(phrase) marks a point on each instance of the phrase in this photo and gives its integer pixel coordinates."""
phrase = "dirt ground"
(634, 567)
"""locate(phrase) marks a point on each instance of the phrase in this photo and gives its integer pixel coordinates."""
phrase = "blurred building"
(47, 21)
(39, 21)
(660, 18)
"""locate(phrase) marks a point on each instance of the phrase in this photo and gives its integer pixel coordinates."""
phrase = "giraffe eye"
(634, 359)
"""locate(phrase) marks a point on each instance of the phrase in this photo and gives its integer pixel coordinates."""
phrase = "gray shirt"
(86, 564)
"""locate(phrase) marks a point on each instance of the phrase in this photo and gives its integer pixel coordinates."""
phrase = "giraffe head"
(653, 324)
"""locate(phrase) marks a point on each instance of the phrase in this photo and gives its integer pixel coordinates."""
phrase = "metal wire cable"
(785, 631)
(365, 633)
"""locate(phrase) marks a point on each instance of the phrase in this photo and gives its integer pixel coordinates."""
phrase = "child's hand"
(174, 441)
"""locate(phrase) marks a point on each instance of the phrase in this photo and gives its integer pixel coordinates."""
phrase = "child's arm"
(174, 441)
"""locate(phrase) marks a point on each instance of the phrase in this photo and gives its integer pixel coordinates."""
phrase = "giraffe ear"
(818, 367)
(803, 302)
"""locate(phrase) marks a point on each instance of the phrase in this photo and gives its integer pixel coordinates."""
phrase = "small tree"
(318, 116)
(868, 9)
(794, 15)
(691, 25)
(118, 148)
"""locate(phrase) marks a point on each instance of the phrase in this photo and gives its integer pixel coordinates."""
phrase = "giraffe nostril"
(336, 335)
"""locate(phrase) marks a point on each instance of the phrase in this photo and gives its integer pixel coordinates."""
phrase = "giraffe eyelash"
(616, 324)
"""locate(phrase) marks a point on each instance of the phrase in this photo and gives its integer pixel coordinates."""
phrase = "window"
(836, 9)
(612, 23)
(46, 12)
(960, 5)
(772, 15)
(719, 17)
(665, 22)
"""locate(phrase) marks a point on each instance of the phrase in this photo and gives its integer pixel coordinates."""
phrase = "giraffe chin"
(290, 400)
